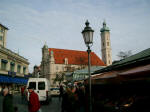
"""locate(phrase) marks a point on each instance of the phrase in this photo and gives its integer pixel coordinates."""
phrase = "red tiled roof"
(75, 57)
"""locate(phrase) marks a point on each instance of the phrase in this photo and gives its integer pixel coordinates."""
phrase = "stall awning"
(16, 80)
(142, 70)
(103, 78)
(105, 75)
(5, 79)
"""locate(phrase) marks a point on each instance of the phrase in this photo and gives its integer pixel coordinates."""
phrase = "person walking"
(23, 94)
(7, 101)
(61, 90)
(34, 103)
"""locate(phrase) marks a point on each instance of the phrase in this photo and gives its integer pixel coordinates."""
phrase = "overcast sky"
(59, 23)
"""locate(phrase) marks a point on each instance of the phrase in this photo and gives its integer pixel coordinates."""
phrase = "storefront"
(13, 83)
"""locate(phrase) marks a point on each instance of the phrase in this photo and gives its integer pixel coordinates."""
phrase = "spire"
(87, 23)
(104, 23)
(45, 45)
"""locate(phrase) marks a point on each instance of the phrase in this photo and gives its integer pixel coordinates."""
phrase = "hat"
(30, 87)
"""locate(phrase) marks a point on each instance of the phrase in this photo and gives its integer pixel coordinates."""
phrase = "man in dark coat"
(34, 104)
(61, 90)
(8, 101)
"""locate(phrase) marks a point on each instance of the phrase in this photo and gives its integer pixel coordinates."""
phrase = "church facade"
(57, 61)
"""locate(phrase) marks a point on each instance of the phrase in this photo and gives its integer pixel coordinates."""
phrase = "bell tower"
(105, 45)
(44, 63)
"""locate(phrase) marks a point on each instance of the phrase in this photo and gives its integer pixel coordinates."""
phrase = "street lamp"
(88, 39)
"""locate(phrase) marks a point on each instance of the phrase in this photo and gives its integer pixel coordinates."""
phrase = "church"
(57, 61)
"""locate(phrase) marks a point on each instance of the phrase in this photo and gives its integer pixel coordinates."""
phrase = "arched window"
(107, 43)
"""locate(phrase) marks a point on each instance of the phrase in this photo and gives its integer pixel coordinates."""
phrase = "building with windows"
(55, 62)
(3, 32)
(12, 64)
(13, 67)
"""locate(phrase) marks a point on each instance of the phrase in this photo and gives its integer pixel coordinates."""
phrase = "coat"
(8, 103)
(34, 104)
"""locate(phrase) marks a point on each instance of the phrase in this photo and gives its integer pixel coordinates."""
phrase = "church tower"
(44, 63)
(105, 45)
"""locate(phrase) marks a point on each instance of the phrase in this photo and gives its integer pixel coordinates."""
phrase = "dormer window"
(66, 61)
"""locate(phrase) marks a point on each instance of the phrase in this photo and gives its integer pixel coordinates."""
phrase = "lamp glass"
(88, 37)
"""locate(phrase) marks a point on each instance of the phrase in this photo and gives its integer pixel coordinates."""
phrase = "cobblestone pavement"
(53, 106)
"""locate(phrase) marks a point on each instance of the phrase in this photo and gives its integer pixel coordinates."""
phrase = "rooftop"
(141, 57)
(75, 57)
(4, 26)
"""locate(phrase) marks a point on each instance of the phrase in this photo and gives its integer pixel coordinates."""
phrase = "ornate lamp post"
(88, 39)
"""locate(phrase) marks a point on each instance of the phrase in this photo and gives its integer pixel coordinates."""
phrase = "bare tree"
(124, 54)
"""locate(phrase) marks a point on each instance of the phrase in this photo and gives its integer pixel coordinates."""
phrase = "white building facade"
(13, 67)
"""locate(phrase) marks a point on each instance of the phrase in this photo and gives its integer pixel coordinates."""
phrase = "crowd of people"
(33, 104)
(73, 98)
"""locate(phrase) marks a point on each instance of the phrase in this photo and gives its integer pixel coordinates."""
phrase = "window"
(41, 85)
(18, 68)
(32, 84)
(24, 70)
(1, 38)
(12, 67)
(103, 44)
(2, 30)
(66, 61)
(56, 67)
(3, 65)
(107, 43)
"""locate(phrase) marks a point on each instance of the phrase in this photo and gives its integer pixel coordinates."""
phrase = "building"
(3, 32)
(105, 45)
(57, 61)
(13, 67)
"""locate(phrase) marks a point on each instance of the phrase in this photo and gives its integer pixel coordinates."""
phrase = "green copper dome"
(105, 28)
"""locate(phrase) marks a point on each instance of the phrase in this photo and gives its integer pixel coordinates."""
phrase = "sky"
(59, 24)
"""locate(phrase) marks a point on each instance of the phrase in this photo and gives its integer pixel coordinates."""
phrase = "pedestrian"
(7, 101)
(23, 93)
(81, 98)
(34, 103)
(65, 103)
(61, 90)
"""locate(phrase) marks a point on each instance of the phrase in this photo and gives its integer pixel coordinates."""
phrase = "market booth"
(122, 90)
